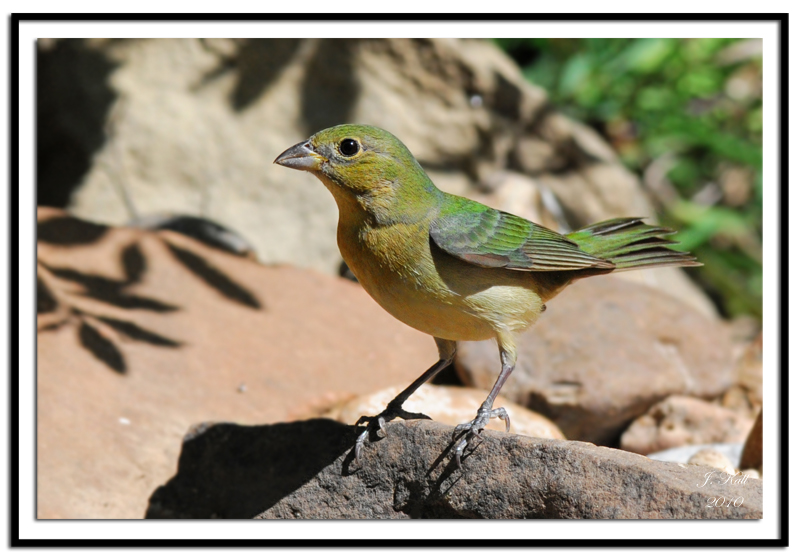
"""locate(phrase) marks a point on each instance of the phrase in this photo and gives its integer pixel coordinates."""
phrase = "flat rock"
(305, 470)
(603, 353)
(682, 420)
(142, 334)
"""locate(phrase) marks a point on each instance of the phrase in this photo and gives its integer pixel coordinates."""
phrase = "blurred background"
(184, 279)
(128, 129)
(685, 115)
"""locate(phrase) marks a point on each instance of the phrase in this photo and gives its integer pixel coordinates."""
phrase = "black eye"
(348, 147)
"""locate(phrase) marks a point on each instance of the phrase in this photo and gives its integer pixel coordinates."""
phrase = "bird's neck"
(383, 204)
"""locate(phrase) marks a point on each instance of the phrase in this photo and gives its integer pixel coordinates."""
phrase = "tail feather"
(629, 243)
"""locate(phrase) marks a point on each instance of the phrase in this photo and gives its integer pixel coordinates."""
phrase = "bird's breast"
(432, 291)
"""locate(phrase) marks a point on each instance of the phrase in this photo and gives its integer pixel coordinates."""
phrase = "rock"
(745, 396)
(714, 459)
(191, 126)
(732, 451)
(753, 453)
(681, 420)
(603, 353)
(305, 470)
(448, 405)
(143, 333)
(750, 473)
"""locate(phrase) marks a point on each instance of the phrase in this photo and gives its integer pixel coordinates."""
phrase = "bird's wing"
(488, 238)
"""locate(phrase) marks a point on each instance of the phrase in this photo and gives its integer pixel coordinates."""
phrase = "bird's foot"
(474, 428)
(378, 423)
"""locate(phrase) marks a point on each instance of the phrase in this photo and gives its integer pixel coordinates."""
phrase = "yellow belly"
(433, 292)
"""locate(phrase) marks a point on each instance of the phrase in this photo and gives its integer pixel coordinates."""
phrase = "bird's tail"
(631, 244)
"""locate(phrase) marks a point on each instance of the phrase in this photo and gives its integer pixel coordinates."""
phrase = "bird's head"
(355, 158)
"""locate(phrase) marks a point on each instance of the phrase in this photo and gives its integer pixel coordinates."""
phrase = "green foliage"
(691, 107)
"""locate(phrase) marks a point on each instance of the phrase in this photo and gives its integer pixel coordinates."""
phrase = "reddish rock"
(603, 353)
(753, 453)
(681, 420)
(142, 334)
(448, 405)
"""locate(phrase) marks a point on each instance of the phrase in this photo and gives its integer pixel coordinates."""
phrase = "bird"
(451, 267)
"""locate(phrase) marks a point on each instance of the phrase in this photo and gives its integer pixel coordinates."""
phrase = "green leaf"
(646, 55)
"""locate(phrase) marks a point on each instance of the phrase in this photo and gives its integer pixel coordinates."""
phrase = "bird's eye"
(348, 147)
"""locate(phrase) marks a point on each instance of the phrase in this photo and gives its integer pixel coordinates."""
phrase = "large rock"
(142, 334)
(306, 470)
(753, 452)
(191, 127)
(603, 353)
(682, 420)
(745, 396)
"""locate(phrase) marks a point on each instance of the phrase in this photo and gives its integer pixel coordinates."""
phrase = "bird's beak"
(300, 157)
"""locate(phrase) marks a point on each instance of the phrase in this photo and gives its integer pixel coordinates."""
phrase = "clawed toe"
(472, 429)
(378, 423)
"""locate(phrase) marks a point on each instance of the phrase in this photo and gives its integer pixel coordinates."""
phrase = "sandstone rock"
(745, 396)
(714, 459)
(753, 453)
(750, 473)
(448, 405)
(305, 470)
(681, 420)
(603, 353)
(732, 451)
(142, 334)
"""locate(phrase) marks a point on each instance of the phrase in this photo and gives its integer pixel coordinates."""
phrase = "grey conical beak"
(300, 157)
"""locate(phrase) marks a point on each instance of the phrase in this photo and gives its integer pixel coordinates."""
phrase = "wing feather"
(489, 238)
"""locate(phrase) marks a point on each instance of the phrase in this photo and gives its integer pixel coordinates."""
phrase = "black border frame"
(783, 277)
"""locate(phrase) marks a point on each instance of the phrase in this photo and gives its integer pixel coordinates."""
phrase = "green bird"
(451, 267)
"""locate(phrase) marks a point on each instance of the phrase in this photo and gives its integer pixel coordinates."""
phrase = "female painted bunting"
(451, 267)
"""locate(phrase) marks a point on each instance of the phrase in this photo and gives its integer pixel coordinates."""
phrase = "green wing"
(488, 238)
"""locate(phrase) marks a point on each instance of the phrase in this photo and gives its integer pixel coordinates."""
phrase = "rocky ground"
(306, 470)
(188, 370)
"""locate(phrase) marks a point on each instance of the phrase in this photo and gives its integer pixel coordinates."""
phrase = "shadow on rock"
(305, 470)
(256, 62)
(234, 471)
(214, 277)
(69, 231)
(73, 100)
(330, 90)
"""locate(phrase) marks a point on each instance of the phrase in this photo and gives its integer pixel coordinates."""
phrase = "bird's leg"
(447, 351)
(508, 357)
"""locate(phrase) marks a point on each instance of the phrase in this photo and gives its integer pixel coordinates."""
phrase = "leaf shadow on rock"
(109, 290)
(135, 332)
(69, 231)
(98, 333)
(214, 278)
(233, 471)
(74, 98)
(101, 347)
(330, 90)
(105, 349)
(45, 300)
(256, 63)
